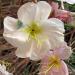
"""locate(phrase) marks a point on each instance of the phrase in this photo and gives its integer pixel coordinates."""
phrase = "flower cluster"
(39, 37)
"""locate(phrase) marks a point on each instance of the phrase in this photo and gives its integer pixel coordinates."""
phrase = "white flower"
(33, 33)
(3, 70)
(68, 1)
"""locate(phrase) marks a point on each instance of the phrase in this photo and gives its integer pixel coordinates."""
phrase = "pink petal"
(63, 70)
(55, 6)
(45, 59)
(63, 15)
(63, 52)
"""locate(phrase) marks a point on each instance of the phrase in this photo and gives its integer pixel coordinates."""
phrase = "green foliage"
(70, 7)
(32, 68)
(68, 26)
(19, 24)
(71, 61)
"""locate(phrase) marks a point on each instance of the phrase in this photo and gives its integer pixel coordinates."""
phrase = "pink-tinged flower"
(55, 6)
(63, 15)
(53, 63)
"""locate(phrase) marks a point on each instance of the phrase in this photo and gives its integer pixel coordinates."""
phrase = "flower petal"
(44, 9)
(3, 70)
(39, 50)
(34, 12)
(16, 38)
(28, 12)
(64, 51)
(53, 24)
(54, 29)
(24, 49)
(10, 24)
(63, 70)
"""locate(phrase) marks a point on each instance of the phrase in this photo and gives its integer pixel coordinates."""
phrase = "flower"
(68, 1)
(63, 15)
(53, 64)
(33, 33)
(3, 70)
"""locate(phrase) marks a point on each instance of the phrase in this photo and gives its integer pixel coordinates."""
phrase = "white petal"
(53, 24)
(44, 9)
(31, 11)
(39, 50)
(16, 38)
(24, 49)
(10, 24)
(54, 28)
(56, 40)
(3, 70)
(28, 12)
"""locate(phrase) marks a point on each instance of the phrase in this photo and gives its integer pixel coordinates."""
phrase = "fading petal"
(44, 9)
(10, 24)
(24, 49)
(28, 12)
(54, 29)
(15, 38)
(64, 51)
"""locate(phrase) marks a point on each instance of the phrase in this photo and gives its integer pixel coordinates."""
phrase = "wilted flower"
(53, 64)
(63, 15)
(33, 33)
(3, 70)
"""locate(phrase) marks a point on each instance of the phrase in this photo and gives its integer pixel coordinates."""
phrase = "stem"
(35, 1)
(62, 4)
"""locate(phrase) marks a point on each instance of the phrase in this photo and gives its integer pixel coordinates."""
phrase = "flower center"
(54, 61)
(33, 30)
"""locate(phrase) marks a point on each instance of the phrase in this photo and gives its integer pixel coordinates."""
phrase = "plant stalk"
(35, 1)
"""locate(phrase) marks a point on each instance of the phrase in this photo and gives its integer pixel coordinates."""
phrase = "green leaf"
(19, 24)
(32, 68)
(71, 60)
(68, 26)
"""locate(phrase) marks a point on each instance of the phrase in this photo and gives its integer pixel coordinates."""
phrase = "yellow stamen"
(54, 61)
(33, 30)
